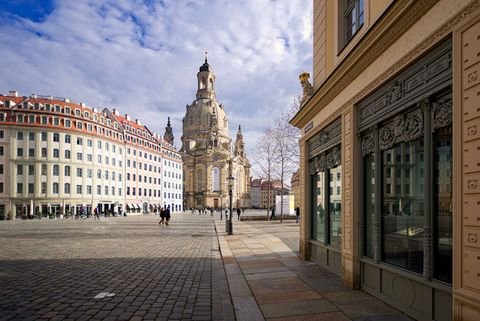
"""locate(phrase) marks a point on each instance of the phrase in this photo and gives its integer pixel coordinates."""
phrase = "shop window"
(415, 146)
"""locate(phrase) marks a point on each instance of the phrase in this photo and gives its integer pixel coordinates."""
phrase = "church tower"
(207, 150)
(168, 136)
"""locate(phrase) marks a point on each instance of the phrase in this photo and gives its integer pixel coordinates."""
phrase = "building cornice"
(400, 16)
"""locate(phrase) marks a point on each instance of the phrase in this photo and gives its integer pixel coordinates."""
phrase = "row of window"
(146, 192)
(55, 121)
(55, 189)
(67, 140)
(67, 155)
(67, 171)
(145, 178)
(146, 166)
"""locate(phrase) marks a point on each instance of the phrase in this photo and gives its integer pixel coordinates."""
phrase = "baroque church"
(209, 157)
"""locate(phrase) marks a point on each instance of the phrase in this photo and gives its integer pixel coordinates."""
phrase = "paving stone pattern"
(53, 269)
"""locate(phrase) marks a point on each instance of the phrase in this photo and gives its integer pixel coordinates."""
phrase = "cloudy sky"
(142, 56)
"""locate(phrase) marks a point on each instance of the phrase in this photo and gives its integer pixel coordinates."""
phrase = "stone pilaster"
(466, 252)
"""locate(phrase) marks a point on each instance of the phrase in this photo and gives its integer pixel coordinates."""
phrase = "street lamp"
(230, 179)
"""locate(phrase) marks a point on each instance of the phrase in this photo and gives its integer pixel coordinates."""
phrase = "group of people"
(164, 215)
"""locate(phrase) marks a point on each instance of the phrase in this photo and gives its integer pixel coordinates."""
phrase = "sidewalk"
(268, 281)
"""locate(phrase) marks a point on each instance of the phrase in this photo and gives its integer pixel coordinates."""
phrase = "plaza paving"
(54, 269)
(130, 268)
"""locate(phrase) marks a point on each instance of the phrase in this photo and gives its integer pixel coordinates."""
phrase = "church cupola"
(168, 136)
(206, 81)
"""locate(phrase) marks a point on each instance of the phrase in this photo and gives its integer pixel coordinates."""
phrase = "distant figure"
(221, 214)
(95, 212)
(239, 211)
(297, 214)
(211, 211)
(162, 216)
(273, 214)
(167, 215)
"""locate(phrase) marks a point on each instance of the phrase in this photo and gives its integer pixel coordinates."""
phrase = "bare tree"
(265, 159)
(286, 148)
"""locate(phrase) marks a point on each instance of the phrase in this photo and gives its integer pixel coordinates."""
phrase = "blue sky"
(141, 56)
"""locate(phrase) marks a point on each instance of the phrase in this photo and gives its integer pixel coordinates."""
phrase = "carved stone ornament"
(368, 143)
(396, 92)
(337, 156)
(321, 162)
(311, 167)
(442, 114)
(386, 136)
(413, 127)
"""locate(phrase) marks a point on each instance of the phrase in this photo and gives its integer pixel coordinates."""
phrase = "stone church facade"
(209, 155)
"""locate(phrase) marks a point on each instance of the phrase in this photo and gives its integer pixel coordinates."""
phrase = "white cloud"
(142, 57)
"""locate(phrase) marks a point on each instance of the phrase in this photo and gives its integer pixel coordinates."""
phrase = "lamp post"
(230, 179)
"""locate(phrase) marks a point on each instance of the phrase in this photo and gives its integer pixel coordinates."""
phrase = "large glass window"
(369, 205)
(403, 206)
(443, 227)
(327, 198)
(318, 202)
(412, 155)
(335, 206)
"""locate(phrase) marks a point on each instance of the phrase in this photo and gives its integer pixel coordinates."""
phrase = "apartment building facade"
(59, 158)
(393, 112)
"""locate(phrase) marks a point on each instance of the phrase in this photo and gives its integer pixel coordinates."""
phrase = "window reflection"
(443, 205)
(403, 205)
(369, 170)
(334, 206)
(318, 217)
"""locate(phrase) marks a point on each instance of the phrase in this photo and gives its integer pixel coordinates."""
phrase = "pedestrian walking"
(273, 214)
(221, 214)
(239, 211)
(95, 212)
(211, 211)
(297, 214)
(162, 216)
(167, 215)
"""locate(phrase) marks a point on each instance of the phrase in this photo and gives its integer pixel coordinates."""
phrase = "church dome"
(205, 66)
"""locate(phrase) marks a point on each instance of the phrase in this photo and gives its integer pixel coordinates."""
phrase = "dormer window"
(44, 120)
(67, 110)
(102, 121)
(58, 108)
(36, 106)
(77, 112)
(87, 114)
(95, 117)
(79, 125)
(109, 122)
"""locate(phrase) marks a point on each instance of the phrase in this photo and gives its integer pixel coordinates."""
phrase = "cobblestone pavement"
(126, 268)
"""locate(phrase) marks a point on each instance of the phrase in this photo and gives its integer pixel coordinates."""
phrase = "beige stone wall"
(467, 171)
(424, 29)
(319, 42)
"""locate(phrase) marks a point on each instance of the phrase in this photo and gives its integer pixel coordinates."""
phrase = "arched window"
(215, 179)
(211, 83)
(55, 188)
(67, 188)
(203, 83)
(67, 170)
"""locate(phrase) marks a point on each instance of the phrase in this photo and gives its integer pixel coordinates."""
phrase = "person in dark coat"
(162, 216)
(297, 214)
(239, 211)
(273, 214)
(167, 215)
